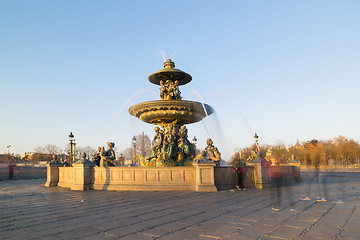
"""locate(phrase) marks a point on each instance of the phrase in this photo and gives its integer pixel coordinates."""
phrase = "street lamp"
(72, 148)
(64, 151)
(133, 141)
(194, 141)
(121, 159)
(256, 137)
(117, 159)
(8, 147)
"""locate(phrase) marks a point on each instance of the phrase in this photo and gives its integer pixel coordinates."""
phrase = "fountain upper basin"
(162, 112)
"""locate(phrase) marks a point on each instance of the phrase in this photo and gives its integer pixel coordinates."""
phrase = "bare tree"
(143, 145)
(87, 149)
(39, 149)
(128, 153)
(47, 149)
(52, 149)
(79, 150)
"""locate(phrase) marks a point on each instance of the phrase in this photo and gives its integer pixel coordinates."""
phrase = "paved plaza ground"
(29, 210)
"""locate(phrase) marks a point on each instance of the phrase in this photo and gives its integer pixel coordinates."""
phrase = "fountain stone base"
(199, 177)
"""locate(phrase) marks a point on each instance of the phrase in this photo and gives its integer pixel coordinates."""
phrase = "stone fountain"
(172, 164)
(171, 146)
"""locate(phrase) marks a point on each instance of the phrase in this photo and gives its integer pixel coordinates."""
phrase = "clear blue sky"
(290, 69)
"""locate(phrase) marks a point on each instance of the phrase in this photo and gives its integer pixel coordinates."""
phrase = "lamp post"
(117, 159)
(194, 141)
(256, 137)
(8, 148)
(72, 148)
(133, 141)
(121, 159)
(194, 144)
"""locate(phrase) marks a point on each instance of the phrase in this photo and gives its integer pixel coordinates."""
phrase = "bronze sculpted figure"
(186, 149)
(173, 148)
(169, 90)
(107, 157)
(202, 158)
(174, 90)
(183, 134)
(97, 157)
(212, 152)
(157, 143)
(169, 148)
(163, 90)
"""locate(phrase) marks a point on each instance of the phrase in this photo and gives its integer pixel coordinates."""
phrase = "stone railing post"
(52, 177)
(82, 171)
(296, 171)
(205, 179)
(260, 175)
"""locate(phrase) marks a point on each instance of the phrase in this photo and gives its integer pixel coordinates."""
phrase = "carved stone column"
(205, 180)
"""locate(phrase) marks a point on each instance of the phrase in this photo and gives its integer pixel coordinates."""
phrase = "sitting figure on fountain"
(169, 148)
(212, 152)
(108, 156)
(155, 152)
(186, 150)
(202, 158)
(157, 142)
(174, 90)
(97, 157)
(163, 91)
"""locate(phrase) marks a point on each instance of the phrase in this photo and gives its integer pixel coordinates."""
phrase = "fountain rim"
(193, 107)
(185, 77)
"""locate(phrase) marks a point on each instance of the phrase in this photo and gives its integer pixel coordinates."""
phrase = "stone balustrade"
(202, 177)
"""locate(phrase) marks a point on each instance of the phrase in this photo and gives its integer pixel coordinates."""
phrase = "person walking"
(239, 166)
(11, 167)
(276, 177)
(322, 191)
(317, 177)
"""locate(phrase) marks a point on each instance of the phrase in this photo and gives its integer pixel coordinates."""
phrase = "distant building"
(36, 157)
(297, 145)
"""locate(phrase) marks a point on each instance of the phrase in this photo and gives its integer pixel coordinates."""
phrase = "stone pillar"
(52, 169)
(296, 171)
(261, 178)
(205, 177)
(82, 172)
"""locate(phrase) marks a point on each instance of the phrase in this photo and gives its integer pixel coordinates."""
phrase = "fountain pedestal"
(199, 177)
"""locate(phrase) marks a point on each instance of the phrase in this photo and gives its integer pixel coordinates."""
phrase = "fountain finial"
(169, 64)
